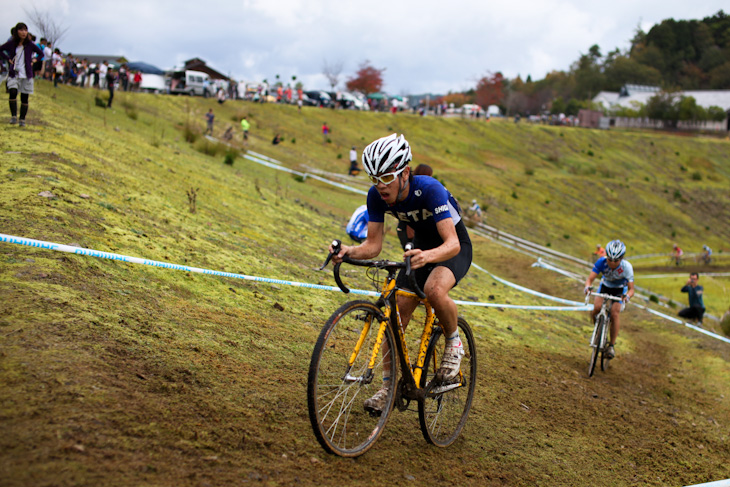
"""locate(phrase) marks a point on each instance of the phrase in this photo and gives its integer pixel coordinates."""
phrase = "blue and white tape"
(166, 265)
(529, 291)
(304, 175)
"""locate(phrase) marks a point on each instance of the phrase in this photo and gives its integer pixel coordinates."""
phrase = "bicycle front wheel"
(597, 345)
(604, 345)
(442, 415)
(336, 391)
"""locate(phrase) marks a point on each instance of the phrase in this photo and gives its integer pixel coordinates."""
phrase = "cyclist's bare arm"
(630, 293)
(450, 248)
(369, 249)
(589, 281)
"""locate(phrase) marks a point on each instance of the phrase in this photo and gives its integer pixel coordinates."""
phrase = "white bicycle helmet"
(387, 154)
(615, 249)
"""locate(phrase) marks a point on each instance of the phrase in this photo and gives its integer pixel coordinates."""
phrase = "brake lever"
(336, 247)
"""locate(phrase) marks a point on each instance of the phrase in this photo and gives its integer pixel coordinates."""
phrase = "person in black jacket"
(696, 309)
(18, 51)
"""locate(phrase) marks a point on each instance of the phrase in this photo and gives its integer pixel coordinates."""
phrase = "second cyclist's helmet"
(615, 249)
(387, 154)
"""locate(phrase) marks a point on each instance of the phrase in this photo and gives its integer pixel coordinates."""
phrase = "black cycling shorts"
(459, 264)
(612, 291)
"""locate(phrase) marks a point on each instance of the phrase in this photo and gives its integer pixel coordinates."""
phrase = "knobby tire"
(336, 412)
(443, 417)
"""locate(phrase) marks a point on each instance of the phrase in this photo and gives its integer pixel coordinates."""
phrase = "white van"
(189, 83)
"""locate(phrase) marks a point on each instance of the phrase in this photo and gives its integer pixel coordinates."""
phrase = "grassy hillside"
(119, 374)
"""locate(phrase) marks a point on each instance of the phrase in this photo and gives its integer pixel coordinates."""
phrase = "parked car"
(190, 83)
(321, 98)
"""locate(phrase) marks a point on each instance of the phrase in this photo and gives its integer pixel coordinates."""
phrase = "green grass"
(123, 374)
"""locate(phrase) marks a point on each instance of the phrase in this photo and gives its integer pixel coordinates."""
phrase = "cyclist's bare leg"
(596, 309)
(437, 288)
(615, 325)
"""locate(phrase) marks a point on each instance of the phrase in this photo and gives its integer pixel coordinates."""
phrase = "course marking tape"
(166, 265)
(527, 290)
(303, 174)
(717, 483)
(684, 274)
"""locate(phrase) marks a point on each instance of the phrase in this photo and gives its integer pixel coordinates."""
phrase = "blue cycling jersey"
(614, 278)
(427, 203)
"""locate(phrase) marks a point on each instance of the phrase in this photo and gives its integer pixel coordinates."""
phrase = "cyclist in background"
(677, 254)
(617, 280)
(442, 253)
(706, 256)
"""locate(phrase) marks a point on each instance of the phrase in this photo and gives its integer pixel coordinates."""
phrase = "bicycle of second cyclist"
(363, 343)
(601, 329)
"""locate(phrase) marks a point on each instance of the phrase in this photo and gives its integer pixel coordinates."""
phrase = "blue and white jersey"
(427, 203)
(614, 278)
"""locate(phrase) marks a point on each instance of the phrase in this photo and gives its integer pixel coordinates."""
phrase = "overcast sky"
(425, 46)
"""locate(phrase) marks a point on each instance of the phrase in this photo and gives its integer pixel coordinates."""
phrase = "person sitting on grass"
(696, 309)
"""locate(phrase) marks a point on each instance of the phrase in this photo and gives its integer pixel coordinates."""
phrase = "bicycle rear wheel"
(596, 345)
(335, 394)
(443, 416)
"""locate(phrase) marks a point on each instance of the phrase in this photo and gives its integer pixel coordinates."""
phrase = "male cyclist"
(618, 274)
(442, 253)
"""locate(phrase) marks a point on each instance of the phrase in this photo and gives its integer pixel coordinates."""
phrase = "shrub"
(654, 299)
(514, 195)
(190, 134)
(566, 236)
(339, 156)
(529, 172)
(231, 155)
(696, 176)
(590, 153)
(210, 148)
(725, 324)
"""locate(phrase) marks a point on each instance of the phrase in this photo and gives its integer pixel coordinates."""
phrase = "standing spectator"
(325, 132)
(18, 51)
(110, 79)
(48, 58)
(38, 60)
(123, 75)
(94, 75)
(221, 95)
(57, 66)
(206, 87)
(299, 104)
(83, 72)
(354, 170)
(696, 308)
(245, 126)
(103, 70)
(209, 117)
(137, 81)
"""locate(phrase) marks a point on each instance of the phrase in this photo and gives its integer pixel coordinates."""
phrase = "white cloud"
(424, 45)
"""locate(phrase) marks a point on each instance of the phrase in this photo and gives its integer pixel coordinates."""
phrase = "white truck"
(189, 83)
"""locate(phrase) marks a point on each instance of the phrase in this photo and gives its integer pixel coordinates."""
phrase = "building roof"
(634, 97)
(197, 64)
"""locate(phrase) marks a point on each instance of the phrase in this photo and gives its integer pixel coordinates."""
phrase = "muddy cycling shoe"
(450, 362)
(13, 120)
(376, 404)
(610, 352)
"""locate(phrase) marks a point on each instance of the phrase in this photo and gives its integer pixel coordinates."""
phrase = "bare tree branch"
(47, 26)
(332, 72)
